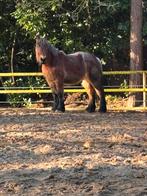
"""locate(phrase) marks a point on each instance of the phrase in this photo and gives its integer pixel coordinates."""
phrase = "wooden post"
(144, 87)
(136, 61)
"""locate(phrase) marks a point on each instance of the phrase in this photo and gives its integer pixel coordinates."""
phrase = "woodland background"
(101, 27)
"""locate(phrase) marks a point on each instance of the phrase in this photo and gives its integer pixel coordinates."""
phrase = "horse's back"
(74, 70)
(91, 61)
(93, 67)
(80, 66)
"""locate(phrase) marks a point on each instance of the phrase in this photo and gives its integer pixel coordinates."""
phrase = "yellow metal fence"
(142, 89)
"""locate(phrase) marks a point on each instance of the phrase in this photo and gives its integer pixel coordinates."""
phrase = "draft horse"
(59, 68)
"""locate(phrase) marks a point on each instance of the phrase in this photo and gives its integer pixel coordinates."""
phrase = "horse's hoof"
(60, 111)
(90, 110)
(103, 110)
(53, 109)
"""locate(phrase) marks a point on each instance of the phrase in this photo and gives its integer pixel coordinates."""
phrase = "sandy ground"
(75, 153)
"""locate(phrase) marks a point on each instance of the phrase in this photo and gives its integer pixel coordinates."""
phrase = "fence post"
(144, 87)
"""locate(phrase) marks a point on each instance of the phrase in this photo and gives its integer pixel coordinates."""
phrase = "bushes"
(19, 100)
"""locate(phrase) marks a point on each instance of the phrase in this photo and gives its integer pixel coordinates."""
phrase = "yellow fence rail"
(40, 74)
(81, 90)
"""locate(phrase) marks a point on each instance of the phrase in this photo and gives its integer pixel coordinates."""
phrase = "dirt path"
(75, 153)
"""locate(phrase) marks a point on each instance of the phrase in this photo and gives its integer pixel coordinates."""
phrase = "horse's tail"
(104, 79)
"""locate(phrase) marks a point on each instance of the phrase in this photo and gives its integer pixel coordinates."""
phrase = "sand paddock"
(75, 153)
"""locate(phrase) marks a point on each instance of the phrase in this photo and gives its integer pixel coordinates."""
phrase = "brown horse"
(59, 68)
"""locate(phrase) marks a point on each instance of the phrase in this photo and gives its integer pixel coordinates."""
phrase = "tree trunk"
(136, 61)
(12, 56)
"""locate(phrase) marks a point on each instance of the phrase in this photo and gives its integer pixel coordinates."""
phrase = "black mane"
(43, 43)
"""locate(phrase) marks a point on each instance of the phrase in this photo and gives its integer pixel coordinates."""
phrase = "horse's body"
(59, 68)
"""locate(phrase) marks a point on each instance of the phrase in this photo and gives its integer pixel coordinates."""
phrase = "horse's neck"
(53, 50)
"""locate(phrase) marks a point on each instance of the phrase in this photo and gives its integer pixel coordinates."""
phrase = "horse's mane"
(52, 49)
(42, 42)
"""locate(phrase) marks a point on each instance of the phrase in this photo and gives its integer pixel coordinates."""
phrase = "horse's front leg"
(58, 96)
(55, 101)
(61, 106)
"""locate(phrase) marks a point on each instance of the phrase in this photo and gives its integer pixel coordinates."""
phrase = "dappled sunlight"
(43, 149)
(75, 151)
(69, 173)
(88, 160)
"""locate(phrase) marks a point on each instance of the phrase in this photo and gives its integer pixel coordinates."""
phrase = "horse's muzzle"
(42, 60)
(40, 63)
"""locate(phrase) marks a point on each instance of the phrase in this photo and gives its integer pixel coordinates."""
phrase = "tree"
(136, 60)
(7, 30)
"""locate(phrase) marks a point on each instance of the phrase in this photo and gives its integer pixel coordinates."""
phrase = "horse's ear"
(45, 37)
(37, 36)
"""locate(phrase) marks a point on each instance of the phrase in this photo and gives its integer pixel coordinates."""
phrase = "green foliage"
(101, 27)
(7, 28)
(125, 85)
(29, 18)
(19, 100)
(64, 23)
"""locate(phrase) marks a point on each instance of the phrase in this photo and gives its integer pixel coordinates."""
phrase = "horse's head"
(42, 50)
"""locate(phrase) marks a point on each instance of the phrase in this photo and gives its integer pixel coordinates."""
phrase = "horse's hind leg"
(56, 101)
(91, 95)
(100, 92)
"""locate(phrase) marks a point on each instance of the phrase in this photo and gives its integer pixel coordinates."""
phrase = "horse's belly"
(73, 76)
(72, 80)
